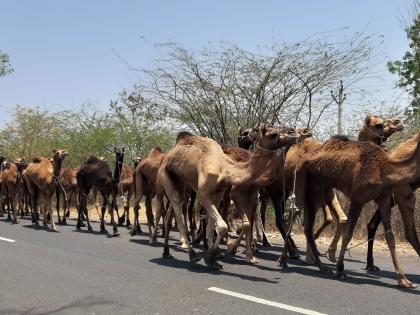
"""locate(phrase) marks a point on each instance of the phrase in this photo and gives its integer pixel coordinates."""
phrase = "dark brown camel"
(10, 188)
(363, 172)
(97, 173)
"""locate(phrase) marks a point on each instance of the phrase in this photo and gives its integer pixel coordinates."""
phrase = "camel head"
(119, 152)
(375, 125)
(136, 160)
(19, 162)
(303, 133)
(244, 141)
(59, 154)
(273, 138)
(392, 125)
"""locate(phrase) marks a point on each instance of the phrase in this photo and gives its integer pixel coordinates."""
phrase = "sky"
(70, 53)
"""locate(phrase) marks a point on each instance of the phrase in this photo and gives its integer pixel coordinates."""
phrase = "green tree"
(5, 67)
(408, 67)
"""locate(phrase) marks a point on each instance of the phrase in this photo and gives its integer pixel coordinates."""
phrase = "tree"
(5, 67)
(217, 89)
(408, 68)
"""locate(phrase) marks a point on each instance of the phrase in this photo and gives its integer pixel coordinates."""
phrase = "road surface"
(81, 273)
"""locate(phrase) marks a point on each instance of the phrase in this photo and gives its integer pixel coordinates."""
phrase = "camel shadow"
(198, 268)
(81, 304)
(352, 276)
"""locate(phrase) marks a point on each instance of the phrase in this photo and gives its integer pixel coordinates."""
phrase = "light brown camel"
(363, 172)
(125, 190)
(41, 178)
(200, 163)
(68, 183)
(145, 176)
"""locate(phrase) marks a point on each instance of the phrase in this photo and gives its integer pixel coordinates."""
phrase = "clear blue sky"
(63, 52)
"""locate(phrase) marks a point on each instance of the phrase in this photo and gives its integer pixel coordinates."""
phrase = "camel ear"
(367, 119)
(54, 151)
(115, 149)
(123, 149)
(240, 129)
(263, 129)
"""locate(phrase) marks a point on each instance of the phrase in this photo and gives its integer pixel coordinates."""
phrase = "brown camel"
(200, 163)
(391, 126)
(24, 200)
(363, 172)
(96, 172)
(11, 188)
(3, 204)
(282, 186)
(126, 189)
(41, 178)
(68, 189)
(145, 176)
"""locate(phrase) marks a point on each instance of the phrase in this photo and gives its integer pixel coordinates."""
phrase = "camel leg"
(384, 204)
(372, 227)
(175, 190)
(192, 215)
(14, 207)
(150, 220)
(49, 209)
(406, 204)
(136, 226)
(127, 207)
(263, 210)
(35, 216)
(277, 200)
(103, 210)
(310, 214)
(327, 220)
(214, 222)
(111, 208)
(57, 195)
(353, 216)
(167, 219)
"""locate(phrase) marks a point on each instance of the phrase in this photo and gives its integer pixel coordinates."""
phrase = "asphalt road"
(80, 273)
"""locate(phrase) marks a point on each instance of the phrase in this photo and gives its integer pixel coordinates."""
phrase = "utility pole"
(339, 100)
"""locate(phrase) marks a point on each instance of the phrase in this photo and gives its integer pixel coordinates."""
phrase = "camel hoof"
(231, 249)
(64, 222)
(252, 260)
(193, 256)
(210, 260)
(294, 255)
(133, 232)
(89, 229)
(78, 229)
(166, 254)
(341, 275)
(406, 284)
(331, 255)
(372, 268)
(104, 231)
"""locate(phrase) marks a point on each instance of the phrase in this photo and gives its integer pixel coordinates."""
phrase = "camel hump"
(341, 137)
(184, 135)
(158, 148)
(38, 159)
(92, 159)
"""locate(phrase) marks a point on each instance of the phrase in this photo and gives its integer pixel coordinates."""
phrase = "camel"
(2, 205)
(11, 187)
(96, 172)
(24, 200)
(126, 186)
(390, 126)
(41, 177)
(363, 172)
(282, 186)
(145, 176)
(67, 188)
(201, 164)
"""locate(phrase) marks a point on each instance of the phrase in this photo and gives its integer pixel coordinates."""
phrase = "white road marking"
(7, 240)
(265, 302)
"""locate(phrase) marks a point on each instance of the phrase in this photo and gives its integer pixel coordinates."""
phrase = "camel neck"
(404, 171)
(57, 163)
(260, 170)
(118, 167)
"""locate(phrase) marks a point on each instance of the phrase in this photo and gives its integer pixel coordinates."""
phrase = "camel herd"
(271, 163)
